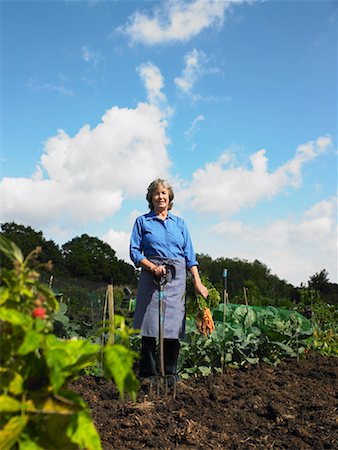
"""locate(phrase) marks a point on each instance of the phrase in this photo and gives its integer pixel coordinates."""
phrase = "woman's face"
(160, 199)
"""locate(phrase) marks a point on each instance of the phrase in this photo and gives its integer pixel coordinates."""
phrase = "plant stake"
(225, 301)
(111, 313)
(247, 305)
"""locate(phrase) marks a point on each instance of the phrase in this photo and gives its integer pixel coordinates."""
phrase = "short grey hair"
(153, 186)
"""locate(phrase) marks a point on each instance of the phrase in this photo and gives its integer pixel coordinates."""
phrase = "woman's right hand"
(159, 271)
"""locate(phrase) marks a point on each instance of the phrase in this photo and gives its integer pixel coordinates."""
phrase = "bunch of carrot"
(204, 322)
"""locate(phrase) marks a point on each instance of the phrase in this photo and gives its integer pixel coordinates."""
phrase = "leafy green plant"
(249, 335)
(324, 318)
(199, 355)
(37, 366)
(324, 342)
(63, 326)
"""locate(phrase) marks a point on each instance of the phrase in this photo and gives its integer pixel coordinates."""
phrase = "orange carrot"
(204, 322)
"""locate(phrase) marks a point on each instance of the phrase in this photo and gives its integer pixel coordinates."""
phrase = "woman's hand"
(200, 289)
(159, 271)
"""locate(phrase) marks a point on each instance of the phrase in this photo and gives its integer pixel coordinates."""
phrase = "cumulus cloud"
(119, 241)
(237, 187)
(290, 248)
(176, 21)
(86, 177)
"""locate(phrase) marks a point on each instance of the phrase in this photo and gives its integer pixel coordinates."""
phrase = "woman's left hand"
(200, 289)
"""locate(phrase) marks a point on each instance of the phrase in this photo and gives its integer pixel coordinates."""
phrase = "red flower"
(39, 312)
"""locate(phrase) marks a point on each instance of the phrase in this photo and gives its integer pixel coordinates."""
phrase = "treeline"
(88, 262)
(255, 281)
(84, 260)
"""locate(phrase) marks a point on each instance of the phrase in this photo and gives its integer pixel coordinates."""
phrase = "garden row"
(37, 367)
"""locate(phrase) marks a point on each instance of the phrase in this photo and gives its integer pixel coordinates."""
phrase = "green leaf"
(10, 249)
(65, 358)
(13, 381)
(40, 324)
(16, 384)
(119, 364)
(28, 444)
(10, 433)
(287, 349)
(81, 431)
(15, 317)
(51, 405)
(9, 404)
(204, 370)
(30, 343)
(4, 295)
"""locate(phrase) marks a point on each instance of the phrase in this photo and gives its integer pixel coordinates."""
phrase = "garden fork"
(162, 384)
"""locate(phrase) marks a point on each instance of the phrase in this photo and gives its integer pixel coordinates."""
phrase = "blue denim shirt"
(169, 238)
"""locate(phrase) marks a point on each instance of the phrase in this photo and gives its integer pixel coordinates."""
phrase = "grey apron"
(147, 301)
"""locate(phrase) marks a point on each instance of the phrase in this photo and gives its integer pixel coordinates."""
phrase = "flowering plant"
(37, 409)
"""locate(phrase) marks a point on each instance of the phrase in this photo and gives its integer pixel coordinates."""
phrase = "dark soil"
(293, 406)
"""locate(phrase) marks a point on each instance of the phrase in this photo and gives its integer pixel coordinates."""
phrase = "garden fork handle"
(161, 328)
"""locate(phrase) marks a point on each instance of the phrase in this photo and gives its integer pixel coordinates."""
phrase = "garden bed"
(292, 406)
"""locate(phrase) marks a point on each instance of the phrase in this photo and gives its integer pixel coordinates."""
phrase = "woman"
(160, 240)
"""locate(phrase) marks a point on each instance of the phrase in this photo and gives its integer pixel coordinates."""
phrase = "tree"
(89, 257)
(320, 281)
(240, 272)
(28, 239)
(327, 291)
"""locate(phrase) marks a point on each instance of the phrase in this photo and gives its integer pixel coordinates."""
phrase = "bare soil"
(292, 406)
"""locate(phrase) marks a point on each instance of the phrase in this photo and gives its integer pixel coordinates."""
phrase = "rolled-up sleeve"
(135, 248)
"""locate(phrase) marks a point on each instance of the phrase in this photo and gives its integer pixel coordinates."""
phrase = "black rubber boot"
(147, 366)
(171, 351)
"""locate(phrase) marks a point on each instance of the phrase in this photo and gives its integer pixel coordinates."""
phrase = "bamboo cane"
(103, 327)
(225, 301)
(111, 313)
(247, 304)
(104, 317)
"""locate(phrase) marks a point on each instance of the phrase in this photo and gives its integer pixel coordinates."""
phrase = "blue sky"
(234, 102)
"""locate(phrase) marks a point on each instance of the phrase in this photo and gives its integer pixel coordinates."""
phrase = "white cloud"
(119, 241)
(42, 202)
(176, 21)
(196, 65)
(226, 190)
(294, 250)
(154, 83)
(86, 177)
(190, 132)
(194, 61)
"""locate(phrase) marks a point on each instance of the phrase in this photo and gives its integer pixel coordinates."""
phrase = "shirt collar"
(151, 215)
